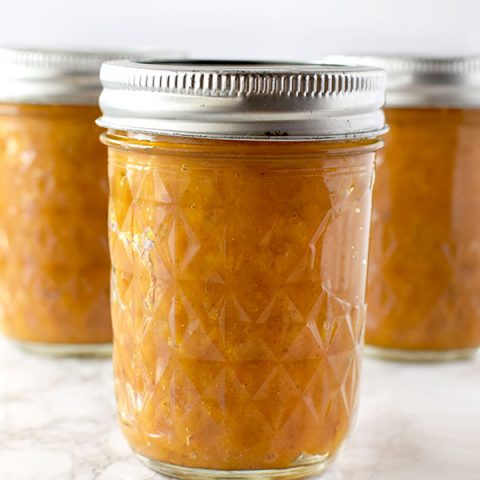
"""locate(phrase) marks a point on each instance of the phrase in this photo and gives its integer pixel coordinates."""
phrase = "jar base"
(312, 467)
(66, 349)
(404, 355)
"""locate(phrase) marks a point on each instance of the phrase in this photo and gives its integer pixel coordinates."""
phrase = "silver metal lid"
(243, 100)
(425, 82)
(57, 76)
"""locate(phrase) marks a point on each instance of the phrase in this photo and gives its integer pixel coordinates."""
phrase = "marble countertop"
(57, 422)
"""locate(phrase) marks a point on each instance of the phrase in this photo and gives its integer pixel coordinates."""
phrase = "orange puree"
(424, 277)
(53, 235)
(237, 296)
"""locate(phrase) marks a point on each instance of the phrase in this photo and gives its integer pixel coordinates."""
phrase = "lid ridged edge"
(228, 84)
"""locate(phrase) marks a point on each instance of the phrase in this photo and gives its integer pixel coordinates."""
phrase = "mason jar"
(54, 282)
(240, 197)
(424, 276)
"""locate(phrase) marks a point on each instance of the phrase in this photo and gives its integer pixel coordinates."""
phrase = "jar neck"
(271, 147)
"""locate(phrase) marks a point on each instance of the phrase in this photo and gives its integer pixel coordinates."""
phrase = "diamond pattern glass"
(238, 286)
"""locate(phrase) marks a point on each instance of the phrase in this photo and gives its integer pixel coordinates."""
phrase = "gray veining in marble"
(57, 422)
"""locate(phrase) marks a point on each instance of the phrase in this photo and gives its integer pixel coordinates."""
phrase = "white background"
(296, 29)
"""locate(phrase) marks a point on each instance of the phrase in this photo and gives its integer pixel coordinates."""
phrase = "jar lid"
(243, 100)
(424, 81)
(56, 76)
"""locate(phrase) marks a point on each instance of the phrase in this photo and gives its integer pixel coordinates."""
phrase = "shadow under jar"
(54, 264)
(239, 222)
(424, 272)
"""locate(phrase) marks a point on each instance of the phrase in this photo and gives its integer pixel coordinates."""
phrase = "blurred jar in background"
(54, 265)
(424, 273)
(239, 224)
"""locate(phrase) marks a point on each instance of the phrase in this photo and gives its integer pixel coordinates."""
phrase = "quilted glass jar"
(54, 264)
(239, 229)
(424, 273)
(53, 229)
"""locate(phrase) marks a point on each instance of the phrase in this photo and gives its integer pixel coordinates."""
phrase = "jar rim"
(233, 99)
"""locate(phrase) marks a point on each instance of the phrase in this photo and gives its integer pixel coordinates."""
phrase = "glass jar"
(424, 274)
(54, 282)
(239, 221)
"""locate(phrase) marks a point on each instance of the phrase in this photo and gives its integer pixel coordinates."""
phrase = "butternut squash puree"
(54, 266)
(424, 276)
(238, 288)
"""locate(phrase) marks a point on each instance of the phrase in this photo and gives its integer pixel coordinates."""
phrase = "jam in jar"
(423, 290)
(240, 198)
